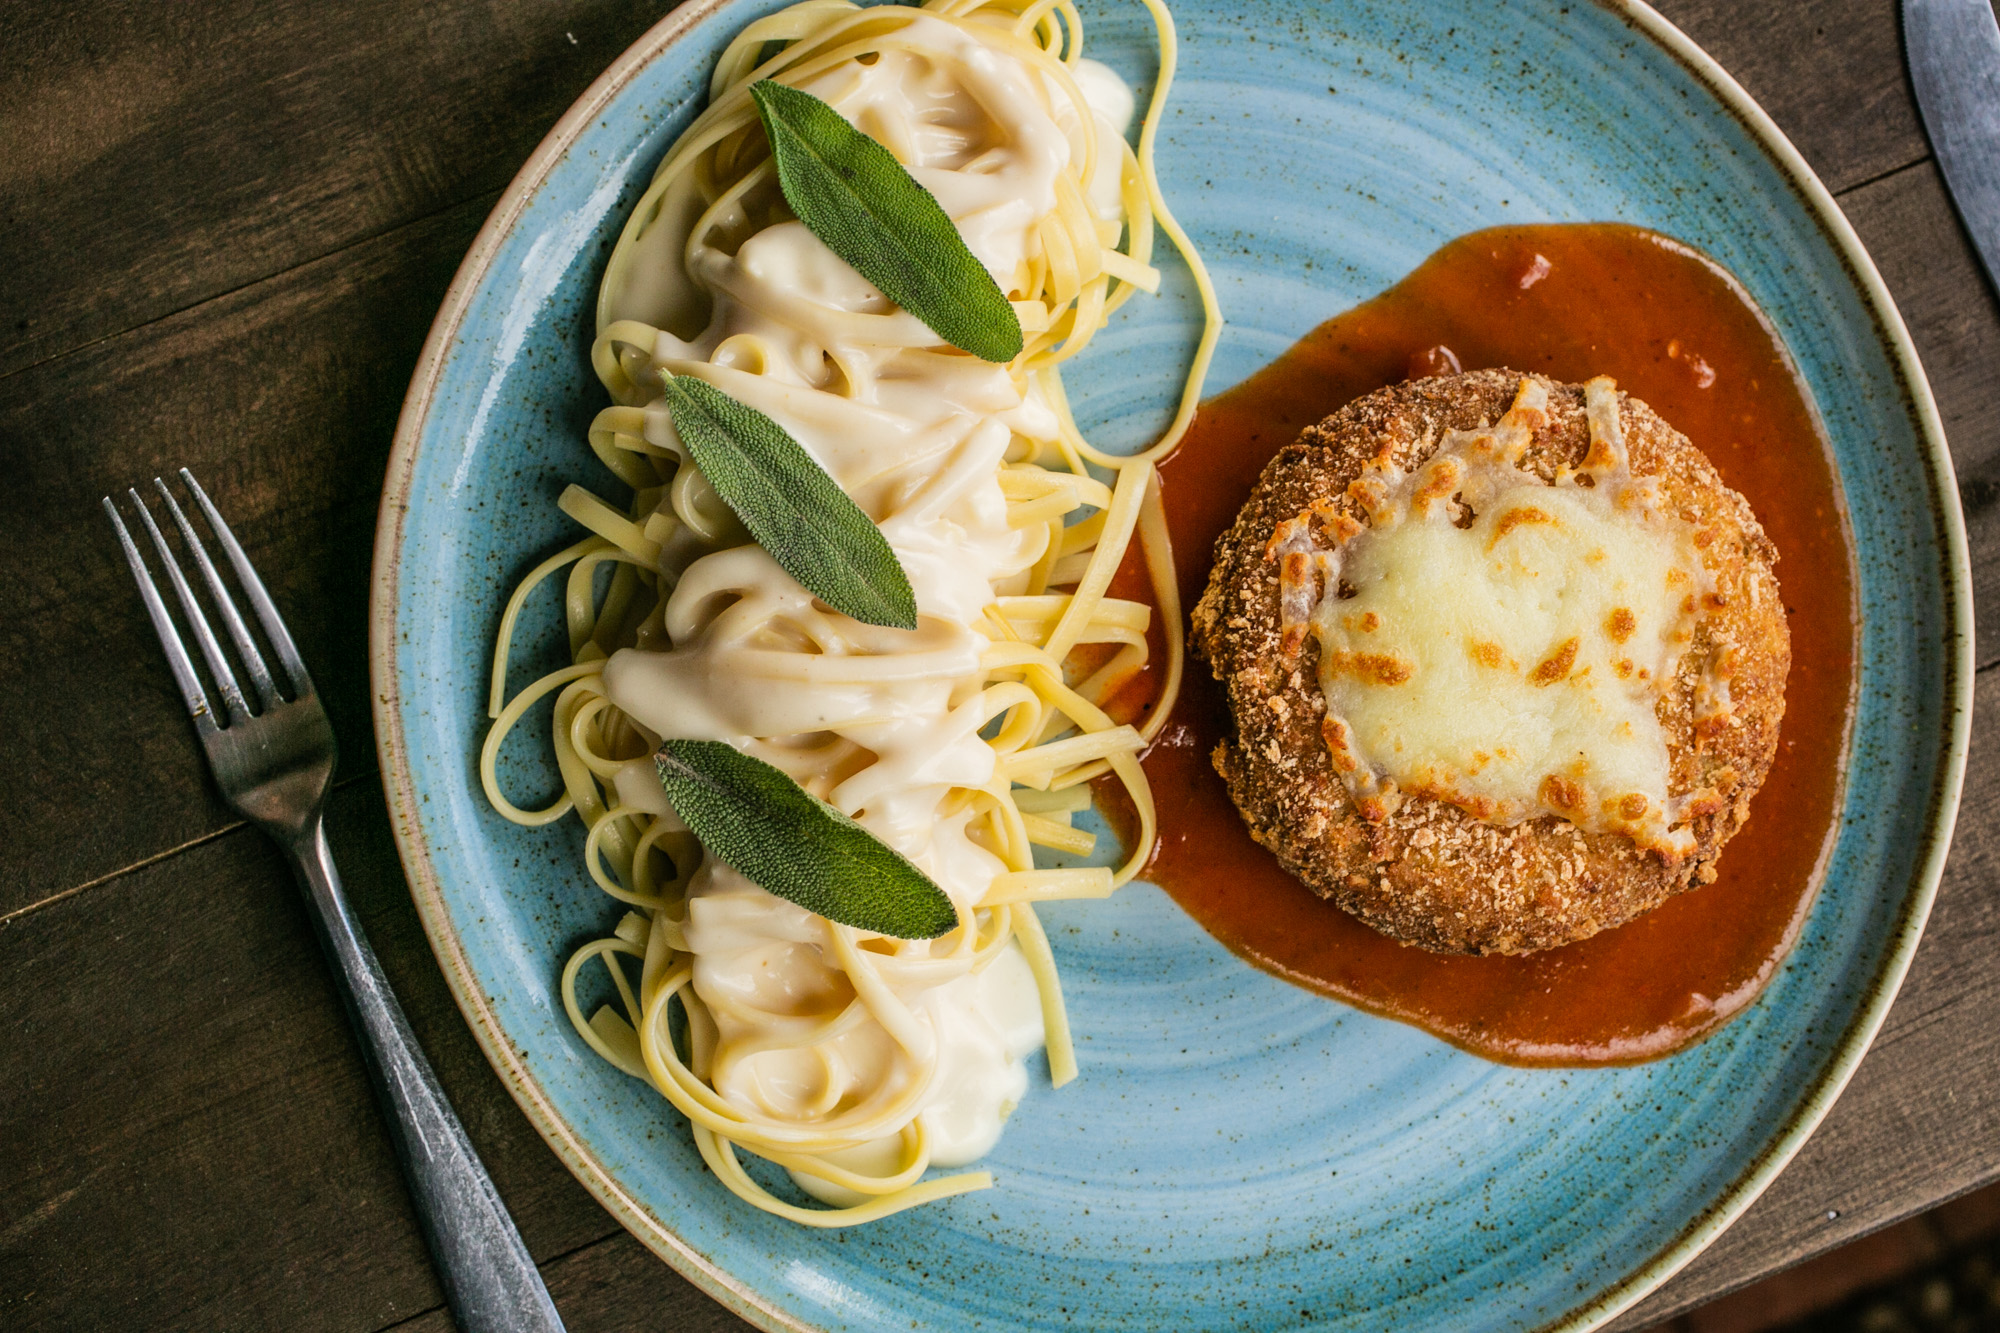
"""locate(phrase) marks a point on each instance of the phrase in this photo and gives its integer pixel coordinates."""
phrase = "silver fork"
(274, 765)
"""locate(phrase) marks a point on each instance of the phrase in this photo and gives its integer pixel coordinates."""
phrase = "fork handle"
(489, 1278)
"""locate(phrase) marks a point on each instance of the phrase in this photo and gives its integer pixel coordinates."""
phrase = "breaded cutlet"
(1430, 871)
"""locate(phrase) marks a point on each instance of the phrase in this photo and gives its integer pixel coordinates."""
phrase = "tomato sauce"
(1674, 329)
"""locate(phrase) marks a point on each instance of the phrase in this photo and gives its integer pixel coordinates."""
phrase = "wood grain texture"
(226, 227)
(187, 1137)
(161, 154)
(1921, 1119)
(617, 1285)
(281, 398)
(1830, 72)
(1909, 227)
(286, 390)
(182, 1059)
(1915, 1127)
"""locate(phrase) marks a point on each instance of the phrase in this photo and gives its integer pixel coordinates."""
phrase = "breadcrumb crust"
(1431, 874)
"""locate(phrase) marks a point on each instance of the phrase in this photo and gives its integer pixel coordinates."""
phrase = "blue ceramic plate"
(1238, 1153)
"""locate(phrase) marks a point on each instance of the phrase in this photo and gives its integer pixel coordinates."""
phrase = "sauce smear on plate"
(1570, 301)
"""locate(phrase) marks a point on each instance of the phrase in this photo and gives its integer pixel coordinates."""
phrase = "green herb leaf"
(798, 513)
(854, 195)
(787, 841)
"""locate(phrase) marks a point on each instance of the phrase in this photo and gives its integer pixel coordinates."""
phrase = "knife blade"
(1953, 47)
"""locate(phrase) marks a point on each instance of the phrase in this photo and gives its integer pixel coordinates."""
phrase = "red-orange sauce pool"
(1570, 301)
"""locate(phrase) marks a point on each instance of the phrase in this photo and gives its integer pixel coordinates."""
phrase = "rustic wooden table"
(224, 229)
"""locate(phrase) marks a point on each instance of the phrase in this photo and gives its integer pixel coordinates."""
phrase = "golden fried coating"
(1429, 873)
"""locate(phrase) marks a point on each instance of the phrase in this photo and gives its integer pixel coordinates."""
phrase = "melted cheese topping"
(1512, 666)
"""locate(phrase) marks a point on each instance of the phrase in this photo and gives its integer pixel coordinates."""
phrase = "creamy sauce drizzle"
(879, 722)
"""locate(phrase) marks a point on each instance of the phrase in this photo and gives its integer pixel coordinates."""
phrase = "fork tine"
(218, 665)
(239, 633)
(253, 587)
(163, 625)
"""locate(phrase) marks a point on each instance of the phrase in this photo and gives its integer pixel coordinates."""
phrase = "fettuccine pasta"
(857, 1061)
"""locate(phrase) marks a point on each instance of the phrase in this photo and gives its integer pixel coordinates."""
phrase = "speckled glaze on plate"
(1238, 1153)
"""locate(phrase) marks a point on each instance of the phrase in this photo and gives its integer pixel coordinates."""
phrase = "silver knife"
(1954, 53)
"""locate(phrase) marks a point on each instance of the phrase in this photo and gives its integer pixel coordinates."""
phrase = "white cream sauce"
(879, 722)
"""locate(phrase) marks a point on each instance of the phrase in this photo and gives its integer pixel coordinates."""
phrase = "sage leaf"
(787, 841)
(798, 513)
(854, 195)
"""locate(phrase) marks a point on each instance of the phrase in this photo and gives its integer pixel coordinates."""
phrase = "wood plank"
(1919, 1122)
(189, 1142)
(187, 1139)
(282, 395)
(205, 149)
(617, 1286)
(1906, 1135)
(1830, 72)
(161, 154)
(282, 398)
(1908, 225)
(1915, 1126)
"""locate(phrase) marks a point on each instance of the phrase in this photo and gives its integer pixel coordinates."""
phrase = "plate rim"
(739, 1296)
